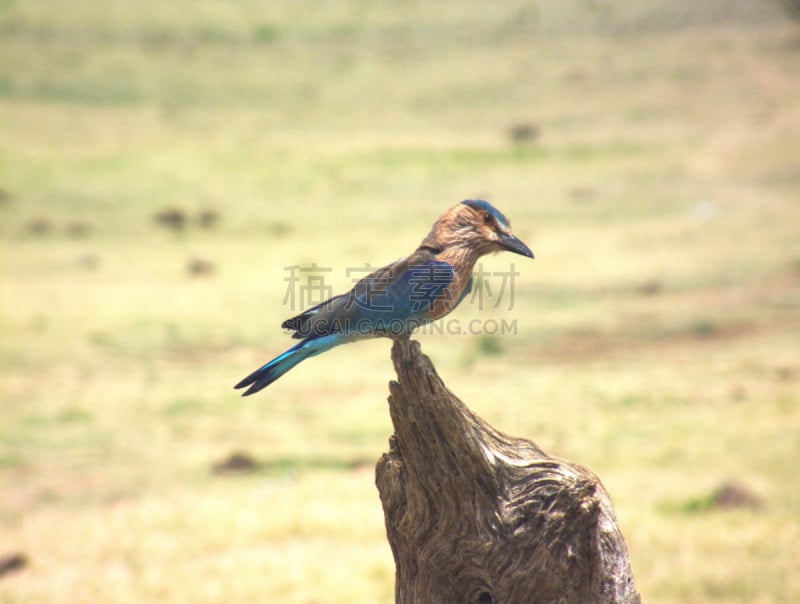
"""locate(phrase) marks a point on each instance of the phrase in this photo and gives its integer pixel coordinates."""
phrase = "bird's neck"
(453, 244)
(462, 257)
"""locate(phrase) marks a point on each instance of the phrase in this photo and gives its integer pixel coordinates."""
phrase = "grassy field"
(657, 333)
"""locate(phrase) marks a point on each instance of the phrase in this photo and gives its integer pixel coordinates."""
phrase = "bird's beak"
(512, 244)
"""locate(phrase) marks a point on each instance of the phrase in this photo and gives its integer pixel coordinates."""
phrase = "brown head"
(476, 225)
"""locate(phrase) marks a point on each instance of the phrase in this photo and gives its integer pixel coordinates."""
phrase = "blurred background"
(163, 163)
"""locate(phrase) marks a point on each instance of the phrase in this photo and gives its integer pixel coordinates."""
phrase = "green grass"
(657, 332)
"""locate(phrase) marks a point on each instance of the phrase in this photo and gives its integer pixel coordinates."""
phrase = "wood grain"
(473, 515)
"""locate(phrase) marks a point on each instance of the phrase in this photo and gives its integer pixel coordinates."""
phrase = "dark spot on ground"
(201, 267)
(523, 133)
(208, 219)
(734, 494)
(13, 562)
(172, 218)
(39, 227)
(237, 462)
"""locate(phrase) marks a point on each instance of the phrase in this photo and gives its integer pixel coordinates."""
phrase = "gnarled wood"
(473, 515)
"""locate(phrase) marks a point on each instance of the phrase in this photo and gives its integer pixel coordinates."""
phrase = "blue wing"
(388, 302)
(392, 301)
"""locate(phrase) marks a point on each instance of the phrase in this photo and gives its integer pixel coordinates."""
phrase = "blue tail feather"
(264, 376)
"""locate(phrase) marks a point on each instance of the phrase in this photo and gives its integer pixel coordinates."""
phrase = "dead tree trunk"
(473, 515)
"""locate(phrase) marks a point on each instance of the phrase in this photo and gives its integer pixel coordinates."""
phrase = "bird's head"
(479, 226)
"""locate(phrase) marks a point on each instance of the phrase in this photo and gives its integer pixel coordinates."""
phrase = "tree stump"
(473, 515)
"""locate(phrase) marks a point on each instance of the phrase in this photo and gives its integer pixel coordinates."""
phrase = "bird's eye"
(487, 218)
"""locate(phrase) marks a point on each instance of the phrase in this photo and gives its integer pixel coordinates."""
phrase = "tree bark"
(473, 515)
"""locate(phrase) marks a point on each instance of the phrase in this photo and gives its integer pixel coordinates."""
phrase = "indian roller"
(396, 299)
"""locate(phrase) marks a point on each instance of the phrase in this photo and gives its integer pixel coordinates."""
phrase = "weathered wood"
(473, 515)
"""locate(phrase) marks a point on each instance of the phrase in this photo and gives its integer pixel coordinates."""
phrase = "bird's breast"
(453, 294)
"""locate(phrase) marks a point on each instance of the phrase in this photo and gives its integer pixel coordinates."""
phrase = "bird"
(398, 298)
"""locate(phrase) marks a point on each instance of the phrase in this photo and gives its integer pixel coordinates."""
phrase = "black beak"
(512, 244)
